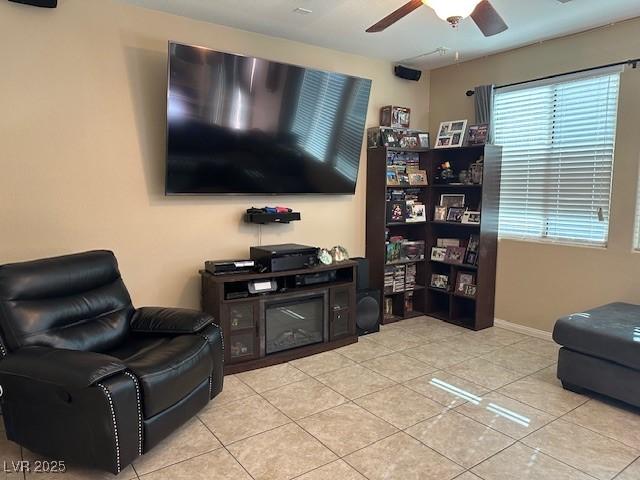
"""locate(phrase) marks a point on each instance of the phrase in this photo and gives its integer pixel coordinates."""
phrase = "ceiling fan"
(482, 12)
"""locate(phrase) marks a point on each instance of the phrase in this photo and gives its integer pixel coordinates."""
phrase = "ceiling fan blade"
(488, 19)
(392, 18)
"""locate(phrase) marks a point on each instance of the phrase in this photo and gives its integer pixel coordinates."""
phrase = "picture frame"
(390, 137)
(470, 291)
(455, 214)
(452, 200)
(471, 258)
(440, 214)
(392, 177)
(471, 217)
(478, 134)
(424, 139)
(403, 176)
(409, 141)
(451, 134)
(474, 243)
(395, 116)
(438, 254)
(463, 279)
(439, 281)
(396, 212)
(418, 178)
(416, 212)
(455, 255)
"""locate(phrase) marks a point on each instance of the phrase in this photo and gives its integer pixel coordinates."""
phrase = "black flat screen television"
(244, 125)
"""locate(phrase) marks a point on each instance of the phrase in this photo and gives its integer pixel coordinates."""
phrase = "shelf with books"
(413, 289)
(478, 201)
(403, 262)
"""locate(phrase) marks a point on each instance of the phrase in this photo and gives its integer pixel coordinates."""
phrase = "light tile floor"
(421, 400)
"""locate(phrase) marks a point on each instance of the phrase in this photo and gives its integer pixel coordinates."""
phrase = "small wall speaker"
(38, 3)
(368, 311)
(407, 73)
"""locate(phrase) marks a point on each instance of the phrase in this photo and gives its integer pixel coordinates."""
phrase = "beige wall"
(537, 282)
(83, 92)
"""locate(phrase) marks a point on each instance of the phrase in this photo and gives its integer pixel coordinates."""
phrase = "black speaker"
(407, 73)
(368, 311)
(38, 3)
(362, 273)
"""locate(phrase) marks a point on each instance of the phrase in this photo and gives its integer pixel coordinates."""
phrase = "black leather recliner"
(87, 378)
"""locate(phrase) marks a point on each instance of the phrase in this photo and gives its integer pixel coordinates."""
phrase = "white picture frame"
(471, 217)
(451, 134)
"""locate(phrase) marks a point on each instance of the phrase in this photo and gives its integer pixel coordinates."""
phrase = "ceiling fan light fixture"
(452, 10)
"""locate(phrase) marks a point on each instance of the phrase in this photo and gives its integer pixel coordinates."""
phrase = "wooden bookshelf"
(474, 313)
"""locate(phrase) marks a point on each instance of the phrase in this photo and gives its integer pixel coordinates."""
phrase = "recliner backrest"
(77, 302)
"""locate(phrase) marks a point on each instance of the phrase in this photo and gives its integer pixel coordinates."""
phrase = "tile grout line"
(227, 450)
(396, 383)
(625, 468)
(548, 454)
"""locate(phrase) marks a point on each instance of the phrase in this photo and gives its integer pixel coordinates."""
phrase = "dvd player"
(288, 256)
(220, 267)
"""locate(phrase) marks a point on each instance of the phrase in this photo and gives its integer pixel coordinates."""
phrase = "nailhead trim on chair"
(115, 425)
(135, 382)
(221, 338)
(210, 385)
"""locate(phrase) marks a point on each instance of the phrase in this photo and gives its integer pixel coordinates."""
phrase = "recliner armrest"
(169, 320)
(68, 369)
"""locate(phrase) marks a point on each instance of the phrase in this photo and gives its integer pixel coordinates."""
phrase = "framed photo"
(471, 258)
(478, 134)
(470, 291)
(440, 281)
(425, 140)
(473, 244)
(409, 141)
(396, 211)
(392, 176)
(455, 255)
(454, 214)
(438, 254)
(403, 176)
(440, 214)
(463, 279)
(443, 142)
(452, 200)
(394, 116)
(389, 137)
(471, 217)
(418, 177)
(388, 306)
(416, 212)
(413, 250)
(451, 134)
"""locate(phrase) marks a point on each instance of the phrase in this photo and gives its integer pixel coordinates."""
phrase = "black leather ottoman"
(601, 351)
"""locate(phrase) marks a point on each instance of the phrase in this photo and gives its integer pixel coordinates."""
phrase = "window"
(558, 146)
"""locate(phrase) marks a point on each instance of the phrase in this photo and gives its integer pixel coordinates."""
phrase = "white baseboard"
(514, 327)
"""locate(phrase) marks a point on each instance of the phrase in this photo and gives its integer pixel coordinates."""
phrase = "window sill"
(557, 243)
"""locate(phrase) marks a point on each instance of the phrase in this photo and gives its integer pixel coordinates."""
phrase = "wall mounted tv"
(243, 125)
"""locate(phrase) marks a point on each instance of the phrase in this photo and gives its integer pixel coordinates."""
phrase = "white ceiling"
(341, 24)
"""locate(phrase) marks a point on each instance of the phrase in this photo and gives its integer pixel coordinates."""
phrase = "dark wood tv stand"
(244, 319)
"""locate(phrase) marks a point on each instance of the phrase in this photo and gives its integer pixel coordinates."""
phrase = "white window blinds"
(558, 144)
